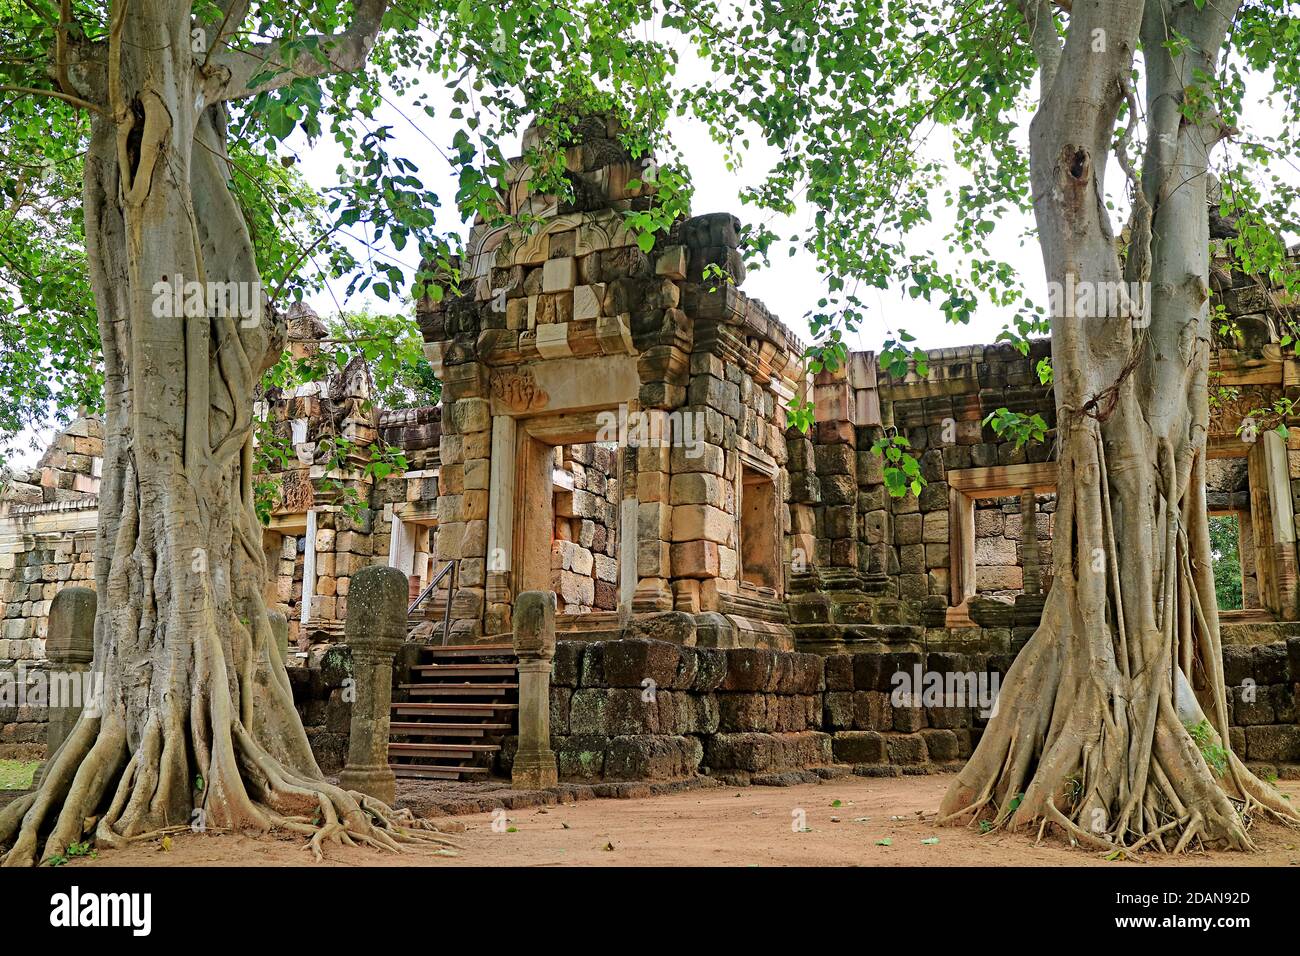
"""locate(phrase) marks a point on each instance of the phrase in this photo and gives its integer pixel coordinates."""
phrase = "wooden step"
(466, 670)
(418, 728)
(436, 771)
(440, 750)
(411, 708)
(456, 713)
(457, 690)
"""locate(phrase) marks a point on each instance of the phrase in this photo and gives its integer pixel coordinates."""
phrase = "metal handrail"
(447, 569)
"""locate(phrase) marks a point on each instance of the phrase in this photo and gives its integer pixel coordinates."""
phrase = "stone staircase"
(425, 622)
(448, 719)
(838, 612)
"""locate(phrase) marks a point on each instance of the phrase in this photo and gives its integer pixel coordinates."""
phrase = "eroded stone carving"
(518, 390)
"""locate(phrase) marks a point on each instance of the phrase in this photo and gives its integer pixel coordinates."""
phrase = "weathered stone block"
(593, 666)
(580, 757)
(859, 746)
(629, 663)
(656, 757)
(566, 667)
(872, 710)
(907, 529)
(941, 745)
(1251, 705)
(837, 710)
(839, 672)
(748, 669)
(1270, 663)
(1279, 742)
(1237, 665)
(613, 711)
(906, 749)
(745, 712)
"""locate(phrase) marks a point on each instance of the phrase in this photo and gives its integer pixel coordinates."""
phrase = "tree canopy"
(884, 116)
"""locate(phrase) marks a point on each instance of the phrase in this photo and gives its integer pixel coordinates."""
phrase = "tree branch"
(232, 71)
(233, 13)
(1041, 22)
(57, 94)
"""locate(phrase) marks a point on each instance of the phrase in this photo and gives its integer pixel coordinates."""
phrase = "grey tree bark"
(1093, 728)
(197, 726)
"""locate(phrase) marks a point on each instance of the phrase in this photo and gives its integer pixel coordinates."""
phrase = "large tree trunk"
(197, 726)
(1093, 726)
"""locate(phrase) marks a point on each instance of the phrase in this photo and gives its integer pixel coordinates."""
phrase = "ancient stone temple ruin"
(573, 335)
(734, 598)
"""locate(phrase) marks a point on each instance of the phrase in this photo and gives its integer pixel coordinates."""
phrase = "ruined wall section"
(48, 518)
(643, 710)
(584, 554)
(571, 319)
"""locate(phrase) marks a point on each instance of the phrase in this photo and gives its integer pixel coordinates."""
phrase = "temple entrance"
(556, 522)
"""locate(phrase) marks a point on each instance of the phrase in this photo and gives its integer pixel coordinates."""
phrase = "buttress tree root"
(1123, 756)
(1112, 723)
(194, 726)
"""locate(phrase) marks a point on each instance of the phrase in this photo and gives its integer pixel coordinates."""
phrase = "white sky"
(790, 287)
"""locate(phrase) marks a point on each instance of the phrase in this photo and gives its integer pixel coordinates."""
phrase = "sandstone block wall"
(47, 536)
(1263, 689)
(321, 686)
(25, 721)
(907, 541)
(584, 552)
(653, 710)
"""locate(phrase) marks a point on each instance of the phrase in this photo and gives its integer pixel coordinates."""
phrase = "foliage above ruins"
(878, 116)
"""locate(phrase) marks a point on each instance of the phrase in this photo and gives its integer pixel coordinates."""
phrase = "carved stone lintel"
(518, 390)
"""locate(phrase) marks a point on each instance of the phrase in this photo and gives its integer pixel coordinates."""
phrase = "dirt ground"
(727, 826)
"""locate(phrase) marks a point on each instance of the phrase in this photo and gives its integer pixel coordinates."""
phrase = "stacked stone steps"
(425, 622)
(448, 720)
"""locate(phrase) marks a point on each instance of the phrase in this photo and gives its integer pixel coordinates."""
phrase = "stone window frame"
(405, 521)
(301, 524)
(965, 487)
(1245, 544)
(1272, 522)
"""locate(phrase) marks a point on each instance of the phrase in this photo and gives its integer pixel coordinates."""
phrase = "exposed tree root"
(278, 798)
(1118, 759)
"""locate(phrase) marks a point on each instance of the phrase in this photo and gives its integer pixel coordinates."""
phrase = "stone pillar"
(70, 648)
(375, 629)
(502, 476)
(534, 639)
(1029, 541)
(653, 527)
(1273, 524)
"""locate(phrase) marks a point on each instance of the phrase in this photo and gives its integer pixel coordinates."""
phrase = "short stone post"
(534, 639)
(375, 629)
(70, 647)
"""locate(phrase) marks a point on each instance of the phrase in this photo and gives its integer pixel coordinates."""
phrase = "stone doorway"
(557, 520)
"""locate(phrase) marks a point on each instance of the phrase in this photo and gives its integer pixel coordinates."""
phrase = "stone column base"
(534, 771)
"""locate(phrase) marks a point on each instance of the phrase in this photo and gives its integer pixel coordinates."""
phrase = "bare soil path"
(727, 826)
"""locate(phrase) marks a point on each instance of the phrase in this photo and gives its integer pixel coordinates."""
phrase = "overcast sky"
(790, 288)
